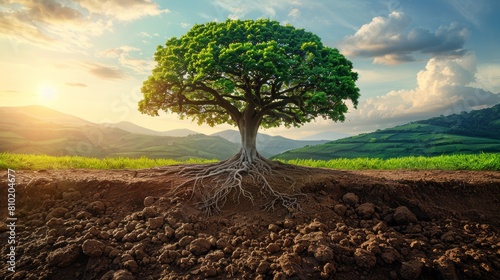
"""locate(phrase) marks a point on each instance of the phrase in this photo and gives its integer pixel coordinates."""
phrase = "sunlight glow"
(46, 92)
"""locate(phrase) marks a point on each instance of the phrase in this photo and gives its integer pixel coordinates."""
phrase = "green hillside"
(464, 133)
(41, 131)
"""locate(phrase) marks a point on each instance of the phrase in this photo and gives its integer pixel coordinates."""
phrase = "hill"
(269, 145)
(465, 133)
(39, 130)
(131, 127)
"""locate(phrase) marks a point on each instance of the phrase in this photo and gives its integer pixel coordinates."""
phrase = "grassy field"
(484, 161)
(37, 162)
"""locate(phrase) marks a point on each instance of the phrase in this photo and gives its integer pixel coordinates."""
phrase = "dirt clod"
(127, 224)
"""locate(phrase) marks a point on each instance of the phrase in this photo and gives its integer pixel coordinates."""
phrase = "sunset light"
(264, 139)
(47, 93)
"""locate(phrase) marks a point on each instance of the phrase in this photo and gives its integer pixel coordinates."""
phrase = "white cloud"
(294, 13)
(124, 10)
(389, 40)
(67, 25)
(445, 87)
(123, 54)
(488, 77)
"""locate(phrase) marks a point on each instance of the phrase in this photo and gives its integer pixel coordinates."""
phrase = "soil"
(127, 224)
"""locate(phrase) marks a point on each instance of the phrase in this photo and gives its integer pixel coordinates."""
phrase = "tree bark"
(248, 126)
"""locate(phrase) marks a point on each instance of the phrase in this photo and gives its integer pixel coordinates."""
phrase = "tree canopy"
(234, 70)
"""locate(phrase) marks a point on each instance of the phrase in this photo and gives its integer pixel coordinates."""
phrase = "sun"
(47, 92)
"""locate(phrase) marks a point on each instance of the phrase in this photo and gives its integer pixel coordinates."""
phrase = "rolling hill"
(269, 145)
(39, 130)
(131, 127)
(465, 133)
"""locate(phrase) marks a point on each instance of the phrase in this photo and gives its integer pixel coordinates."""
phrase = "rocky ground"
(124, 224)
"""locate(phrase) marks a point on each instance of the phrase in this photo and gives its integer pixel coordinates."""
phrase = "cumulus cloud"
(390, 40)
(124, 56)
(67, 25)
(443, 87)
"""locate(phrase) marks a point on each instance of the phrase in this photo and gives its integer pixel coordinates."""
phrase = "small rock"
(289, 264)
(364, 258)
(131, 265)
(323, 254)
(273, 228)
(93, 248)
(123, 275)
(64, 256)
(390, 255)
(403, 216)
(155, 223)
(149, 212)
(350, 199)
(380, 227)
(148, 201)
(83, 215)
(200, 246)
(208, 271)
(73, 195)
(58, 212)
(96, 208)
(411, 270)
(273, 248)
(366, 210)
(263, 267)
(54, 222)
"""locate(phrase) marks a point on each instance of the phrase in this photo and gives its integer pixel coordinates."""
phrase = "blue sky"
(415, 59)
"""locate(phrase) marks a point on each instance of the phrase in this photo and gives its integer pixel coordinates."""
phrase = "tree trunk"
(248, 126)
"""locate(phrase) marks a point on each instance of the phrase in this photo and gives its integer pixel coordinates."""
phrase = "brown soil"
(123, 224)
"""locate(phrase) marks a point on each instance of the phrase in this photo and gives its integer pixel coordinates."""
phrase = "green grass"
(37, 162)
(483, 161)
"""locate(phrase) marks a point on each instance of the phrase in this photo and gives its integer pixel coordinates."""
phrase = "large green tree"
(249, 73)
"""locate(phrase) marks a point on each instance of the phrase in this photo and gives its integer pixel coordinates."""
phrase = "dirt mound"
(88, 224)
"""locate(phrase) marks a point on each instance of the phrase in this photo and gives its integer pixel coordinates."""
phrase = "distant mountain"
(327, 135)
(131, 127)
(465, 133)
(268, 145)
(39, 130)
(38, 114)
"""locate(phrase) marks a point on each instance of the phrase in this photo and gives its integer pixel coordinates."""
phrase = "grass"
(483, 161)
(37, 162)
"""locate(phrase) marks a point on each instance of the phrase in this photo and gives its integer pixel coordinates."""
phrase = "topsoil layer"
(126, 224)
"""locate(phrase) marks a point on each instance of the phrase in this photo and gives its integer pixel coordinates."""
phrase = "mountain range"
(465, 133)
(40, 130)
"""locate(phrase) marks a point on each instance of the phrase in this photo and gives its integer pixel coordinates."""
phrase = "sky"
(415, 59)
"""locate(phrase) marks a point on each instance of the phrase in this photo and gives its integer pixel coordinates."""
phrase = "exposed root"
(237, 178)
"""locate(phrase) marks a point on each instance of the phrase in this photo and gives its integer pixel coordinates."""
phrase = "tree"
(249, 74)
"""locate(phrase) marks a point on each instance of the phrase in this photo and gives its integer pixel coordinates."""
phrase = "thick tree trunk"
(248, 126)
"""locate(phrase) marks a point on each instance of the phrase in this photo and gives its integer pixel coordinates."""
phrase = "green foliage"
(479, 123)
(216, 71)
(450, 162)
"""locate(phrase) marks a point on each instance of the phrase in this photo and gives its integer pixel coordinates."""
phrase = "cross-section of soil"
(126, 224)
